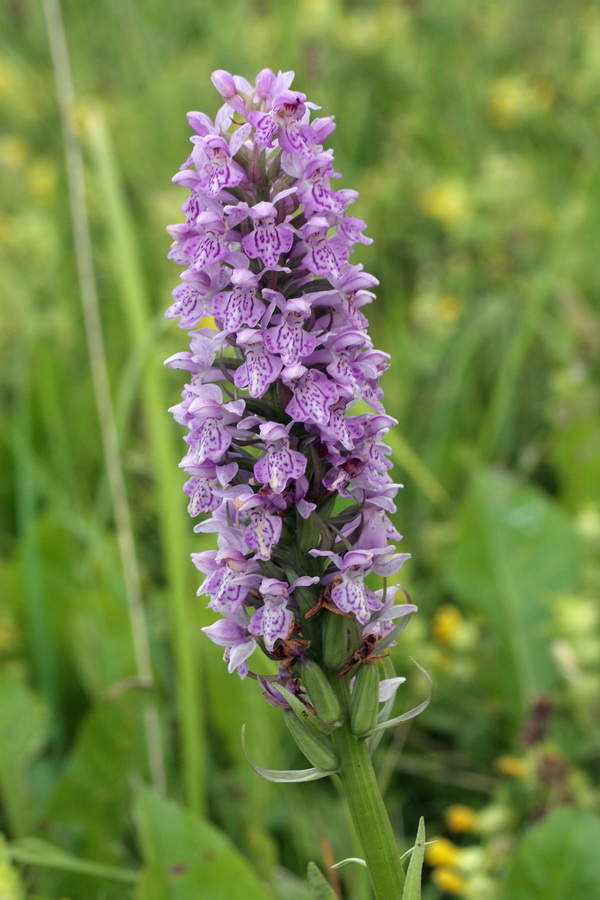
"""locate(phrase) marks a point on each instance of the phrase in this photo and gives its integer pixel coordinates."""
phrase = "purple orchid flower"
(233, 634)
(273, 432)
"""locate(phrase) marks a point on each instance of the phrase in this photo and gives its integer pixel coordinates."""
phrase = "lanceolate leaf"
(415, 711)
(320, 889)
(412, 885)
(286, 776)
(313, 723)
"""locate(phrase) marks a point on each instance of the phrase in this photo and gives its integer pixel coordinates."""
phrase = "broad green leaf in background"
(516, 551)
(23, 731)
(557, 860)
(320, 888)
(101, 641)
(89, 806)
(187, 858)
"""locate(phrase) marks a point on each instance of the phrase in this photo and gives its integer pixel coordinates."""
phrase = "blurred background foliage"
(472, 131)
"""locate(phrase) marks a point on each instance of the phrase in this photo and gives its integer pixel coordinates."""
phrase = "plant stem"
(369, 815)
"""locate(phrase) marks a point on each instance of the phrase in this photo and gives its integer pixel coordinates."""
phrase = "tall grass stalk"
(97, 356)
(129, 278)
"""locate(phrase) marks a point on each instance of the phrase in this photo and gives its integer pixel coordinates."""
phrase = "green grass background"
(472, 131)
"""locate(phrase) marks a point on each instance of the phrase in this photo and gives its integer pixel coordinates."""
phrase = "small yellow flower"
(40, 181)
(446, 623)
(449, 308)
(448, 880)
(448, 202)
(514, 766)
(207, 322)
(460, 818)
(442, 852)
(13, 151)
(513, 99)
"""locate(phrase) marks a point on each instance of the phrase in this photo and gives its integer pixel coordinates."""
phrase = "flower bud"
(320, 692)
(335, 640)
(317, 750)
(224, 83)
(364, 705)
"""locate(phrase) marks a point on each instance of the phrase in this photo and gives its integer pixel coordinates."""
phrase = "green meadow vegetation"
(472, 132)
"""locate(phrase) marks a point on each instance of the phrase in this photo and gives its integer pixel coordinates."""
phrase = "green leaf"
(23, 731)
(89, 806)
(412, 885)
(320, 889)
(186, 857)
(100, 634)
(557, 860)
(409, 714)
(515, 552)
(285, 776)
(36, 852)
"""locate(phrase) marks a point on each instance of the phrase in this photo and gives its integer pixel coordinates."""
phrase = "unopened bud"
(335, 640)
(317, 750)
(224, 83)
(320, 692)
(365, 699)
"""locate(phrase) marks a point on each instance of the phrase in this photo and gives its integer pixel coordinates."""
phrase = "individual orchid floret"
(286, 120)
(240, 306)
(207, 247)
(202, 487)
(324, 256)
(216, 168)
(348, 591)
(313, 394)
(192, 299)
(385, 619)
(289, 339)
(279, 464)
(229, 578)
(233, 634)
(263, 530)
(210, 435)
(273, 621)
(268, 240)
(261, 368)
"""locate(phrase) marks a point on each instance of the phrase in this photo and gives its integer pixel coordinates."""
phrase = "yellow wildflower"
(40, 181)
(442, 852)
(446, 623)
(448, 880)
(512, 99)
(514, 766)
(449, 308)
(460, 818)
(448, 202)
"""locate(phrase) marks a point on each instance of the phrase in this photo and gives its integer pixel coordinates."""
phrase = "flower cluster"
(283, 408)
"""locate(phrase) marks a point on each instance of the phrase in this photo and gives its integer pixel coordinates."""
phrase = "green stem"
(369, 815)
